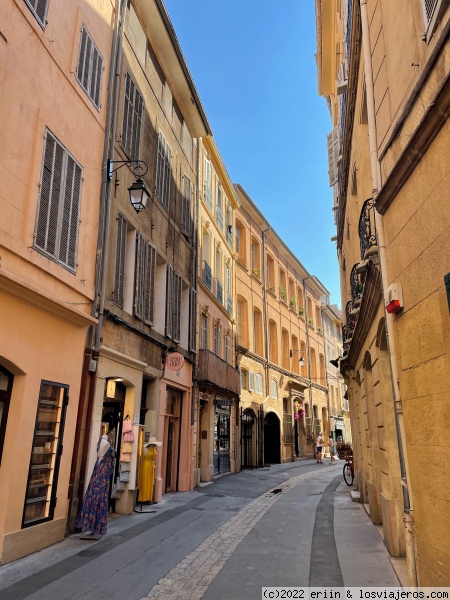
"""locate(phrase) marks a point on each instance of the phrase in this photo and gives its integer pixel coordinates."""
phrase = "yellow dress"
(148, 475)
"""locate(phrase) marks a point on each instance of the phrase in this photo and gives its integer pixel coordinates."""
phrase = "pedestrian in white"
(331, 450)
(319, 445)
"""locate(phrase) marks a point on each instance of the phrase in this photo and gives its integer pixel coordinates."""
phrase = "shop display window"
(40, 498)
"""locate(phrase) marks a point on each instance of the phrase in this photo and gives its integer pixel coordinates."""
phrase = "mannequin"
(103, 447)
(148, 471)
(93, 516)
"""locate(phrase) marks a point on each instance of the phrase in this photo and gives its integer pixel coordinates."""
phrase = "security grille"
(119, 271)
(90, 67)
(58, 213)
(429, 7)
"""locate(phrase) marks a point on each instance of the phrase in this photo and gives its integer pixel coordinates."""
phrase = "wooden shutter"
(81, 67)
(176, 306)
(49, 199)
(132, 118)
(193, 320)
(186, 206)
(251, 382)
(169, 302)
(333, 155)
(149, 285)
(96, 76)
(119, 269)
(70, 214)
(139, 277)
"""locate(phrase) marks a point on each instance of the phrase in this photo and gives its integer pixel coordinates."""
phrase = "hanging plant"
(299, 413)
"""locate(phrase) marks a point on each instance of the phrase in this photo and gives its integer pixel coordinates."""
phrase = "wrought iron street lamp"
(139, 194)
(301, 360)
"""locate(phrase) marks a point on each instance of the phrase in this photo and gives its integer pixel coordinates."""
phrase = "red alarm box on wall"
(395, 298)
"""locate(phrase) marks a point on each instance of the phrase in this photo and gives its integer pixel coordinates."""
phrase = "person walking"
(319, 446)
(331, 450)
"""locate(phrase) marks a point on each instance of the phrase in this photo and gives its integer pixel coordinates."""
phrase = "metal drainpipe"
(389, 320)
(326, 369)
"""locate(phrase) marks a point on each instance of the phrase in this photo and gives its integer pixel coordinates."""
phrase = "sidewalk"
(224, 540)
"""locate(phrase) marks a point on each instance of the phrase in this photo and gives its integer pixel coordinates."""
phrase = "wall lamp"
(301, 360)
(335, 362)
(138, 192)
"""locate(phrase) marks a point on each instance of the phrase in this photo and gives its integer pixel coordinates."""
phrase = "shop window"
(40, 498)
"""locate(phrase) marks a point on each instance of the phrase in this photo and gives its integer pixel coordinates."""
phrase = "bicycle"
(348, 471)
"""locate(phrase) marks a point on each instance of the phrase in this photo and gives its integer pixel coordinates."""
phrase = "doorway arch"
(248, 440)
(272, 439)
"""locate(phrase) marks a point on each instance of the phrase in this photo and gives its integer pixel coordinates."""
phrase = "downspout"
(389, 320)
(266, 332)
(90, 335)
(326, 370)
(108, 152)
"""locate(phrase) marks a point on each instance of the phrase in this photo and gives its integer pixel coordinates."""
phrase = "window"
(132, 119)
(273, 389)
(432, 10)
(258, 383)
(204, 332)
(257, 332)
(333, 141)
(255, 258)
(40, 498)
(219, 207)
(273, 342)
(227, 348)
(90, 67)
(119, 273)
(244, 379)
(251, 382)
(186, 221)
(217, 333)
(39, 9)
(58, 213)
(145, 280)
(228, 297)
(163, 171)
(173, 305)
(6, 383)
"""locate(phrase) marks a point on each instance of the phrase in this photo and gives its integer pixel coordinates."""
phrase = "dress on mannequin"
(93, 516)
(148, 471)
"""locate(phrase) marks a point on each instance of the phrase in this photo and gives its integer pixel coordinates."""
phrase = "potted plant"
(319, 329)
(256, 272)
(311, 321)
(293, 302)
(301, 311)
(299, 413)
(271, 288)
(283, 295)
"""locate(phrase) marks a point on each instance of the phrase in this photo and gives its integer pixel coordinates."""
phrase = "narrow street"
(285, 525)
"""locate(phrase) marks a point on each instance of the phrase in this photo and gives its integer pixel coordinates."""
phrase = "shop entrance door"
(112, 417)
(174, 404)
(272, 439)
(171, 463)
(221, 441)
(247, 424)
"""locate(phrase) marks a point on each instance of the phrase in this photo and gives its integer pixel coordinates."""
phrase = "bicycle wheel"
(348, 475)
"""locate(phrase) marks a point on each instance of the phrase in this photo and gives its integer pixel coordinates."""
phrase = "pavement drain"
(276, 491)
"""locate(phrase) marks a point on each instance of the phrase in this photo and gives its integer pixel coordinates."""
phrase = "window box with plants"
(256, 272)
(271, 289)
(301, 312)
(311, 321)
(293, 303)
(283, 295)
(319, 329)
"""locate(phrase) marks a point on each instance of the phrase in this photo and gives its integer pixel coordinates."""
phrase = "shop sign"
(222, 402)
(175, 361)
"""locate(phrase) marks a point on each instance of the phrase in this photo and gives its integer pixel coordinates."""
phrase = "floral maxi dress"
(93, 517)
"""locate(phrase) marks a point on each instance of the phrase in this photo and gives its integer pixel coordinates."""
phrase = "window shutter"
(193, 320)
(52, 175)
(82, 55)
(119, 271)
(186, 207)
(251, 382)
(132, 119)
(169, 302)
(39, 8)
(70, 214)
(176, 305)
(333, 155)
(149, 293)
(96, 77)
(139, 277)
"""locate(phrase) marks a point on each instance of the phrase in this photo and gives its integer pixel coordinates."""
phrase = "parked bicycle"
(345, 452)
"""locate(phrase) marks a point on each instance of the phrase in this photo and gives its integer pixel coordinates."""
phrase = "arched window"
(242, 321)
(241, 242)
(255, 258)
(270, 275)
(304, 369)
(313, 365)
(257, 332)
(6, 383)
(322, 369)
(285, 348)
(295, 356)
(283, 290)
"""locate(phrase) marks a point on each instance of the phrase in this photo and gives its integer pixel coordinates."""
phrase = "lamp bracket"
(138, 167)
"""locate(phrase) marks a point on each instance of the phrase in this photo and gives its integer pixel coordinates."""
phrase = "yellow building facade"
(387, 88)
(280, 345)
(217, 378)
(53, 106)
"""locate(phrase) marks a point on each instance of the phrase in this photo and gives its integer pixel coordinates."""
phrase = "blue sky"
(254, 68)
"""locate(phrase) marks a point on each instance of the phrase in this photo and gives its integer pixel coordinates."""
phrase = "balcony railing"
(356, 286)
(219, 291)
(367, 237)
(208, 196)
(207, 275)
(350, 321)
(229, 304)
(217, 372)
(230, 235)
(219, 217)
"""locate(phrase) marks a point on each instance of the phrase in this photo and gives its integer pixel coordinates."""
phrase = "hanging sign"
(175, 361)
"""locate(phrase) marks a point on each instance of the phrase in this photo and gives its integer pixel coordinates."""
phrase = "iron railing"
(356, 285)
(219, 217)
(229, 304)
(367, 237)
(207, 193)
(230, 235)
(207, 275)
